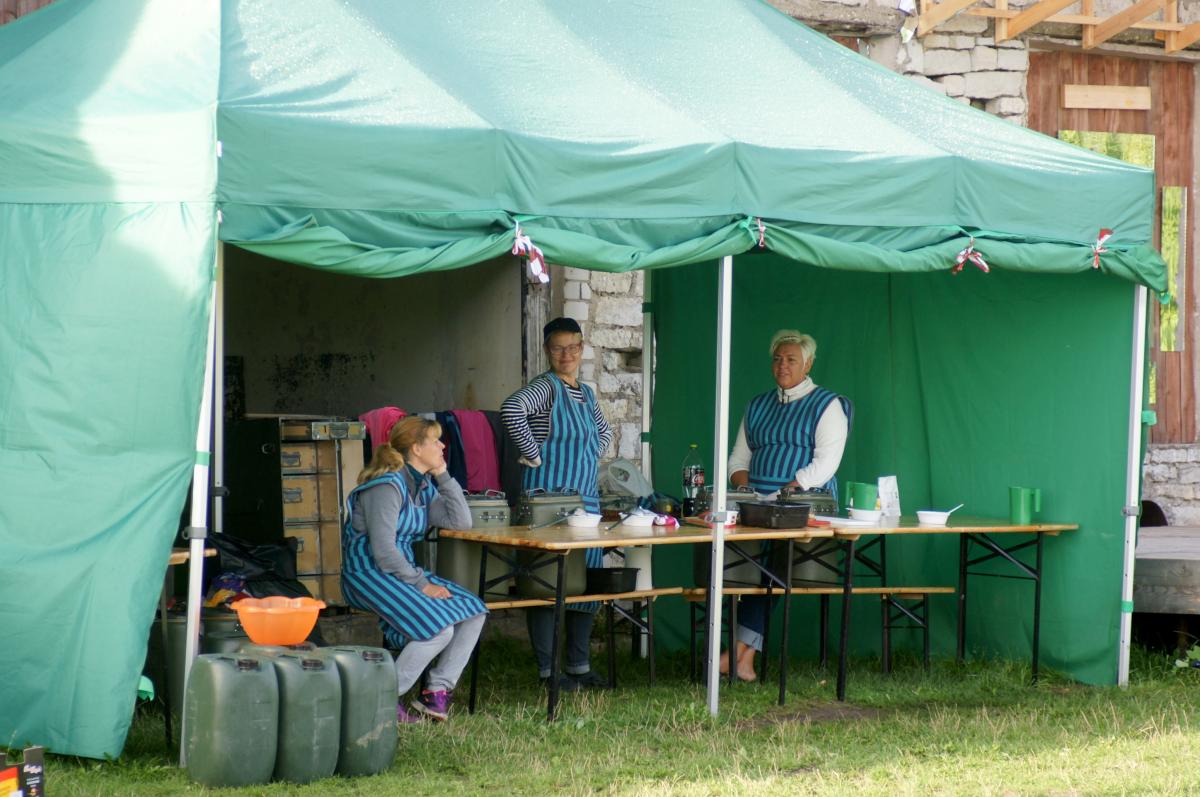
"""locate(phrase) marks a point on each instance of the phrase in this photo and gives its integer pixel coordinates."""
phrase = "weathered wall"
(320, 343)
(610, 308)
(1171, 479)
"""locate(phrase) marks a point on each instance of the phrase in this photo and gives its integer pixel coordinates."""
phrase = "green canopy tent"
(364, 139)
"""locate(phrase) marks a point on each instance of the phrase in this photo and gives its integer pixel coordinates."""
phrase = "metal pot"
(773, 514)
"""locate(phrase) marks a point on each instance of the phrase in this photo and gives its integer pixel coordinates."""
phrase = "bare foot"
(723, 666)
(745, 663)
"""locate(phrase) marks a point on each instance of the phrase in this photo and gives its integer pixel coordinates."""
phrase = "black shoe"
(589, 680)
(566, 683)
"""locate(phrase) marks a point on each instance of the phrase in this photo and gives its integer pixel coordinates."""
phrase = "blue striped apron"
(405, 611)
(570, 458)
(782, 437)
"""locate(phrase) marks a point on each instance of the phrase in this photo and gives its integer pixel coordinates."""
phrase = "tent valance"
(910, 250)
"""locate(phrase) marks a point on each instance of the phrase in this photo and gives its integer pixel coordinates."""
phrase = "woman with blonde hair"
(402, 492)
(792, 436)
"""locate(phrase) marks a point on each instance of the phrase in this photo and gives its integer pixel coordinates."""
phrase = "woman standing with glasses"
(561, 433)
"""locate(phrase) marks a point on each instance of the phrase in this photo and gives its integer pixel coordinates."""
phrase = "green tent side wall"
(962, 385)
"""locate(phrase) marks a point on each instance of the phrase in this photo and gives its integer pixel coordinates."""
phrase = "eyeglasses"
(573, 348)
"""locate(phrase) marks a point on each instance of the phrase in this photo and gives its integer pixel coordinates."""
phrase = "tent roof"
(624, 135)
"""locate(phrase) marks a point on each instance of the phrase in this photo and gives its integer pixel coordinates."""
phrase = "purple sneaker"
(406, 717)
(433, 704)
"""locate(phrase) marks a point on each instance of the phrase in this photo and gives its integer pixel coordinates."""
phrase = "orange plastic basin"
(278, 620)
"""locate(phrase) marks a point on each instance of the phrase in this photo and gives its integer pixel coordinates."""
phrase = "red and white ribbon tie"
(523, 246)
(762, 233)
(970, 255)
(1098, 248)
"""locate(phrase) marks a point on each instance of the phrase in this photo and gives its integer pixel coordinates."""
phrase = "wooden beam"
(1038, 12)
(937, 13)
(1184, 38)
(1119, 98)
(1098, 34)
(1079, 19)
(1001, 24)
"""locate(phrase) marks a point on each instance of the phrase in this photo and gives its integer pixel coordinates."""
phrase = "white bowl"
(932, 517)
(865, 514)
(583, 521)
(639, 519)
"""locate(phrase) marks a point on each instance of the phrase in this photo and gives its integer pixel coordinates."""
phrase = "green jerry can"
(368, 737)
(213, 622)
(458, 560)
(231, 720)
(310, 715)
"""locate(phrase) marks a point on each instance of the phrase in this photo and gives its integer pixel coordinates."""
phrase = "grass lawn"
(972, 729)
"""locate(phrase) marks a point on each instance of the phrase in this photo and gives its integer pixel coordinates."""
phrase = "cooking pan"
(773, 514)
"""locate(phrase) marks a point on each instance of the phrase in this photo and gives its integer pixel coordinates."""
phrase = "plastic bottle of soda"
(693, 480)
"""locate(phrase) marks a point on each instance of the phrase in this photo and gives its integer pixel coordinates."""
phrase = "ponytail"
(385, 460)
(389, 457)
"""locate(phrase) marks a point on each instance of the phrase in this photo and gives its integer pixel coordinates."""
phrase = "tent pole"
(720, 477)
(218, 413)
(647, 372)
(197, 531)
(1133, 478)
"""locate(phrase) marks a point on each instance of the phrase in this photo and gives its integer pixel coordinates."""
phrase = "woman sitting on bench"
(401, 493)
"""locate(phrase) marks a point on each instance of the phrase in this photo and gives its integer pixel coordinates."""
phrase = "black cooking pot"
(773, 514)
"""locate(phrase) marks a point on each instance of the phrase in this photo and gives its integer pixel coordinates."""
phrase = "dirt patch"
(811, 712)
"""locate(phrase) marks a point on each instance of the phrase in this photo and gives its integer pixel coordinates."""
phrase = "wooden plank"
(699, 594)
(1041, 88)
(1036, 13)
(1168, 542)
(1161, 27)
(1168, 395)
(562, 538)
(1189, 35)
(937, 13)
(1098, 34)
(1125, 98)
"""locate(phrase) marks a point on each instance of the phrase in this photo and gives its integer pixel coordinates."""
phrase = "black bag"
(268, 568)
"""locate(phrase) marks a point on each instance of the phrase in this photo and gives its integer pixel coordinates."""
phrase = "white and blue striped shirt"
(526, 417)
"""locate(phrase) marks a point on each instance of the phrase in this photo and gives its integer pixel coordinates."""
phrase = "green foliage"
(975, 728)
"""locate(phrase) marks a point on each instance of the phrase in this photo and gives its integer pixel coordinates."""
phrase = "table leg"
(483, 554)
(732, 648)
(823, 650)
(612, 644)
(787, 616)
(650, 636)
(844, 642)
(925, 628)
(165, 670)
(886, 649)
(1037, 607)
(635, 633)
(556, 642)
(692, 635)
(963, 543)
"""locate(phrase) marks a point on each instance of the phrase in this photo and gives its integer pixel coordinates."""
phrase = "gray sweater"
(378, 507)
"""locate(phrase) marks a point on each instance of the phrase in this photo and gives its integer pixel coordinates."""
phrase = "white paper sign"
(889, 495)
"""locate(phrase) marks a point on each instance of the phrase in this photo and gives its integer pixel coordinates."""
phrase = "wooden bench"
(609, 600)
(898, 604)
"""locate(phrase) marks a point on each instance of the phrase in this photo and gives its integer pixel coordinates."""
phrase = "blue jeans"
(578, 627)
(752, 619)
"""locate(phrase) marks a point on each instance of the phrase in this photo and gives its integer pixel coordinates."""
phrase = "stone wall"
(609, 307)
(1171, 479)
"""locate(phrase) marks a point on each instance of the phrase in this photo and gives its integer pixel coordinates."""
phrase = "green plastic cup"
(1022, 503)
(861, 495)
